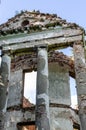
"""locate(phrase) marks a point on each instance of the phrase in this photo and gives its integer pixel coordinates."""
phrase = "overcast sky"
(71, 10)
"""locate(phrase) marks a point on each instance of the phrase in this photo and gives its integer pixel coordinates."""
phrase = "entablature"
(54, 38)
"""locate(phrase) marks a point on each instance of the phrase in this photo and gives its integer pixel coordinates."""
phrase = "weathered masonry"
(30, 41)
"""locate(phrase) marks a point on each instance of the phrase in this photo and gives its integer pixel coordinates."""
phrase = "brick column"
(4, 87)
(42, 98)
(80, 70)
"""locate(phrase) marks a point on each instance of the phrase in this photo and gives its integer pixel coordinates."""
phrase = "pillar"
(42, 98)
(80, 71)
(4, 87)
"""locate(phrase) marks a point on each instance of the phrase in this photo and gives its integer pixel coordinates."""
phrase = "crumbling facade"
(30, 41)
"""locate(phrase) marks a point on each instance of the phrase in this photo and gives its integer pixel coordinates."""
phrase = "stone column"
(4, 87)
(42, 98)
(80, 71)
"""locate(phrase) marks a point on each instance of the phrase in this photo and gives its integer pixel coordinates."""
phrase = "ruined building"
(31, 41)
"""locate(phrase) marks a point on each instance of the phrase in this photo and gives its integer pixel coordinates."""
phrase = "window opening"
(67, 51)
(26, 125)
(76, 126)
(25, 23)
(74, 103)
(29, 97)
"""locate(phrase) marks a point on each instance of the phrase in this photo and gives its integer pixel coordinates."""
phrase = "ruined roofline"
(27, 22)
(22, 61)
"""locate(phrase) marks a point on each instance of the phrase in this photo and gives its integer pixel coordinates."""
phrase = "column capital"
(8, 52)
(41, 46)
(78, 43)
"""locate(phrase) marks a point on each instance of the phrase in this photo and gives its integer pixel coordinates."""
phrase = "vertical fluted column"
(4, 87)
(80, 71)
(42, 97)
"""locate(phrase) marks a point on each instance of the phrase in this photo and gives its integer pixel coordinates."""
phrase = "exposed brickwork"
(29, 61)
